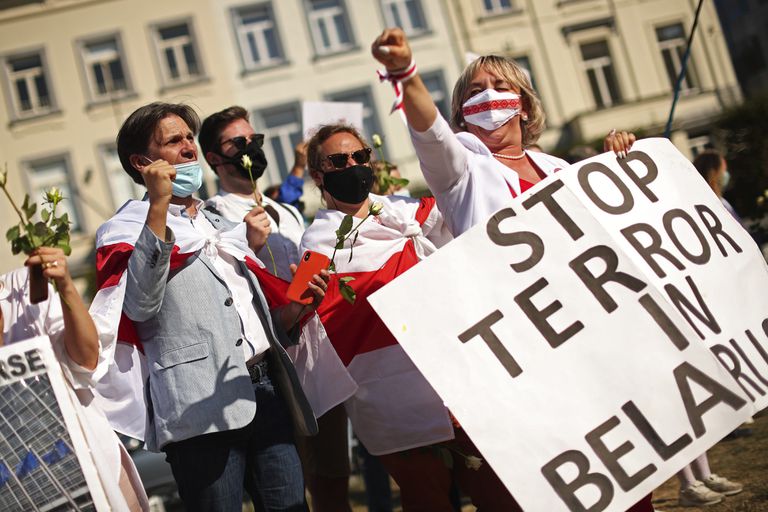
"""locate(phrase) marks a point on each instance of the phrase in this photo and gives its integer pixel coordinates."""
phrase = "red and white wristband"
(396, 78)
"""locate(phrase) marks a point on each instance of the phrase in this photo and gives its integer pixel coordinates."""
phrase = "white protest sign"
(578, 380)
(317, 113)
(686, 243)
(45, 461)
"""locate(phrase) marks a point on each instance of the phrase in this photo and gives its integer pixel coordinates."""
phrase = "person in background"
(714, 169)
(225, 138)
(292, 188)
(394, 172)
(272, 192)
(83, 354)
(698, 485)
(475, 164)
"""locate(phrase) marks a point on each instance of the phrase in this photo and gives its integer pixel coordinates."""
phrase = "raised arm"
(442, 157)
(149, 263)
(391, 49)
(292, 187)
(81, 340)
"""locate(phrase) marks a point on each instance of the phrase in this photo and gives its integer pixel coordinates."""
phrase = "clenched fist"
(391, 49)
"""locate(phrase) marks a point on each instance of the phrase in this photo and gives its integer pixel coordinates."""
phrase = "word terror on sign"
(703, 228)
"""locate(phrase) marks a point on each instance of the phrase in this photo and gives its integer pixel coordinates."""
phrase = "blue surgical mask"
(189, 178)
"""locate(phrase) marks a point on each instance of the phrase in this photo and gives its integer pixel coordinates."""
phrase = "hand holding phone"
(311, 263)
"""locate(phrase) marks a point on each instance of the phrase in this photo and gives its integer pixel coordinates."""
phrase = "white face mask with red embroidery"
(491, 109)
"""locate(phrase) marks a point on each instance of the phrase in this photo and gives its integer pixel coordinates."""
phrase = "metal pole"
(683, 71)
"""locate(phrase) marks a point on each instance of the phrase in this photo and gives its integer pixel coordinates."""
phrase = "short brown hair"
(513, 73)
(214, 124)
(707, 162)
(134, 136)
(323, 134)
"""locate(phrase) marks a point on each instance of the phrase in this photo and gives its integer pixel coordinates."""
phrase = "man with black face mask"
(225, 138)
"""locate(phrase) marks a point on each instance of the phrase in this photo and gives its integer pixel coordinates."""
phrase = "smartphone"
(311, 263)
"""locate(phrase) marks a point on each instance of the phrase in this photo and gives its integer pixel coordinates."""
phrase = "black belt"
(257, 371)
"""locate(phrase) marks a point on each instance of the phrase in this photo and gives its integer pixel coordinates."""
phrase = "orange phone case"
(311, 263)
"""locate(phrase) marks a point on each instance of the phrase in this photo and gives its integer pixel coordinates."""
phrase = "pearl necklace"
(510, 157)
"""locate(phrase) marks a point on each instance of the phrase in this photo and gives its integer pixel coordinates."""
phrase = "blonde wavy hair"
(512, 72)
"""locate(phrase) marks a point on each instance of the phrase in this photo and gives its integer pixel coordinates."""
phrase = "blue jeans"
(211, 470)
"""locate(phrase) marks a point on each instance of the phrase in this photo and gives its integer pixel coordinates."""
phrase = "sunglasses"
(339, 160)
(241, 142)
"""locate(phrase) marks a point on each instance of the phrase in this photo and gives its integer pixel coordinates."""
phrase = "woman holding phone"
(395, 412)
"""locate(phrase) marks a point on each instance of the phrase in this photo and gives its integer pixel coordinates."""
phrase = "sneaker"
(723, 485)
(697, 494)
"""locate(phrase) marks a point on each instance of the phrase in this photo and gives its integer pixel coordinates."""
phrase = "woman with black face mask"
(395, 412)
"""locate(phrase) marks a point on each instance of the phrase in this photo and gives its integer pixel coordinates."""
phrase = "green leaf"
(339, 245)
(12, 234)
(400, 182)
(22, 244)
(346, 279)
(45, 214)
(64, 246)
(331, 267)
(347, 292)
(351, 248)
(41, 229)
(30, 210)
(345, 227)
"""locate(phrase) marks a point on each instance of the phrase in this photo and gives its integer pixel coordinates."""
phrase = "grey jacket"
(198, 382)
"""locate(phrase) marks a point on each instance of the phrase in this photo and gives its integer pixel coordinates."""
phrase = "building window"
(257, 36)
(329, 26)
(435, 84)
(178, 54)
(524, 62)
(364, 96)
(120, 183)
(104, 68)
(600, 73)
(672, 43)
(30, 91)
(54, 172)
(282, 126)
(406, 14)
(497, 6)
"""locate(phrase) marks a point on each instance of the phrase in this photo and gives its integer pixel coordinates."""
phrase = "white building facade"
(73, 70)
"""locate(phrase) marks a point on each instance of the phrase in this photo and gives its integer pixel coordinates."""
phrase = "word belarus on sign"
(45, 461)
(570, 333)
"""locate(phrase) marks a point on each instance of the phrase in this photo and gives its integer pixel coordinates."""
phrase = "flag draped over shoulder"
(120, 393)
(394, 408)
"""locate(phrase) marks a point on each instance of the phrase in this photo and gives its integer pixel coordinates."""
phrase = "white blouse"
(23, 320)
(468, 182)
